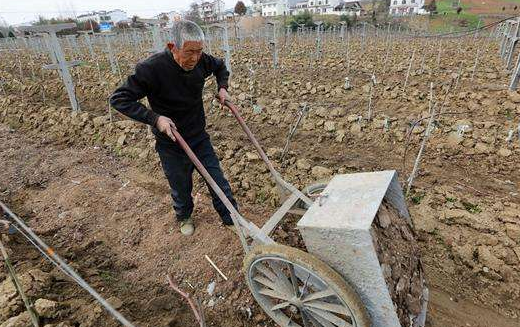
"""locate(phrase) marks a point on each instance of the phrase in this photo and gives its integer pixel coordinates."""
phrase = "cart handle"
(238, 220)
(278, 179)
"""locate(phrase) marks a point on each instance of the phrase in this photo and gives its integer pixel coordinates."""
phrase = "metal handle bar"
(238, 220)
(278, 179)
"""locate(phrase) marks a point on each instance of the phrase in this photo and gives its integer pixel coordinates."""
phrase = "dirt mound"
(400, 258)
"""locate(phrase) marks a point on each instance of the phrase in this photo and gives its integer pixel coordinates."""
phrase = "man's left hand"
(223, 95)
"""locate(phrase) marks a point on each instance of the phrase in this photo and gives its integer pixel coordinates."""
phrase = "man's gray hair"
(186, 30)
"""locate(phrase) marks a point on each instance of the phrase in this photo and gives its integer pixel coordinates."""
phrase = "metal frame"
(244, 227)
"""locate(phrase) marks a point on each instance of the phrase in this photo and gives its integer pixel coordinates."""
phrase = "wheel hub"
(295, 301)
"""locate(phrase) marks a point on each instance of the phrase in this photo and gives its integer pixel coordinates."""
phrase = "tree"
(240, 8)
(384, 6)
(345, 18)
(193, 14)
(431, 7)
(89, 25)
(136, 23)
(44, 21)
(122, 25)
(302, 18)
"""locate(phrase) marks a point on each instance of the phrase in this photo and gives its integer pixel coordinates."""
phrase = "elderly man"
(172, 81)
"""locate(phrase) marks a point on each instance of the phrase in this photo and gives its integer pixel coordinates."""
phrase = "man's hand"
(223, 95)
(165, 125)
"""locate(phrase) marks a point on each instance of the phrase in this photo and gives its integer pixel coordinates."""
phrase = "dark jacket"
(171, 92)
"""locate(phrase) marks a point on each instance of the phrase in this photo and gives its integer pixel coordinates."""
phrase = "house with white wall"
(111, 17)
(212, 11)
(270, 7)
(173, 16)
(407, 7)
(349, 8)
(322, 7)
(295, 7)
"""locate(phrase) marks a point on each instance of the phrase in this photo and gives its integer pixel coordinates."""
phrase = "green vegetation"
(452, 200)
(445, 6)
(417, 197)
(470, 207)
(107, 276)
(303, 18)
(447, 18)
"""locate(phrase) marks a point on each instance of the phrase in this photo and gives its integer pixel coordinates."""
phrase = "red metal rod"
(282, 184)
(197, 310)
(251, 137)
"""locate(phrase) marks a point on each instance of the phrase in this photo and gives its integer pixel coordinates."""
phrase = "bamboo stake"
(216, 268)
(423, 144)
(409, 70)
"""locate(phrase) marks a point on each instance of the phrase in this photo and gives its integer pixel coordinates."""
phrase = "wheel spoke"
(319, 321)
(304, 288)
(281, 306)
(274, 294)
(287, 322)
(282, 280)
(331, 307)
(294, 281)
(266, 282)
(298, 294)
(329, 317)
(319, 295)
(265, 271)
(306, 321)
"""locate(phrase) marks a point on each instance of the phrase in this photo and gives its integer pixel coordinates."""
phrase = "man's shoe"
(187, 227)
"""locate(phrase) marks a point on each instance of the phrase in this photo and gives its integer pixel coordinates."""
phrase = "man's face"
(189, 55)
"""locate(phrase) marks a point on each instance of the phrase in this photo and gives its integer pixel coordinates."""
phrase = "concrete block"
(337, 229)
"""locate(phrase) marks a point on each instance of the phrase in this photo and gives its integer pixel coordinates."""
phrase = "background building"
(105, 17)
(171, 17)
(322, 7)
(212, 11)
(407, 7)
(270, 7)
(350, 8)
(295, 7)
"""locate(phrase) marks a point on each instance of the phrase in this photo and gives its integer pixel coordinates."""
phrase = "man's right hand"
(165, 125)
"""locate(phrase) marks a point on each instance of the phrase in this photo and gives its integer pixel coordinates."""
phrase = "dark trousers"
(178, 169)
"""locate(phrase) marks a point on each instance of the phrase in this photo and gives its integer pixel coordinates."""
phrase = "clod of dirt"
(22, 320)
(400, 259)
(46, 308)
(34, 283)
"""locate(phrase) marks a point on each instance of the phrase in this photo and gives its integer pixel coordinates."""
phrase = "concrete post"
(56, 52)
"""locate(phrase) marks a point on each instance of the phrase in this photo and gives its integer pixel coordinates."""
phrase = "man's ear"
(171, 46)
